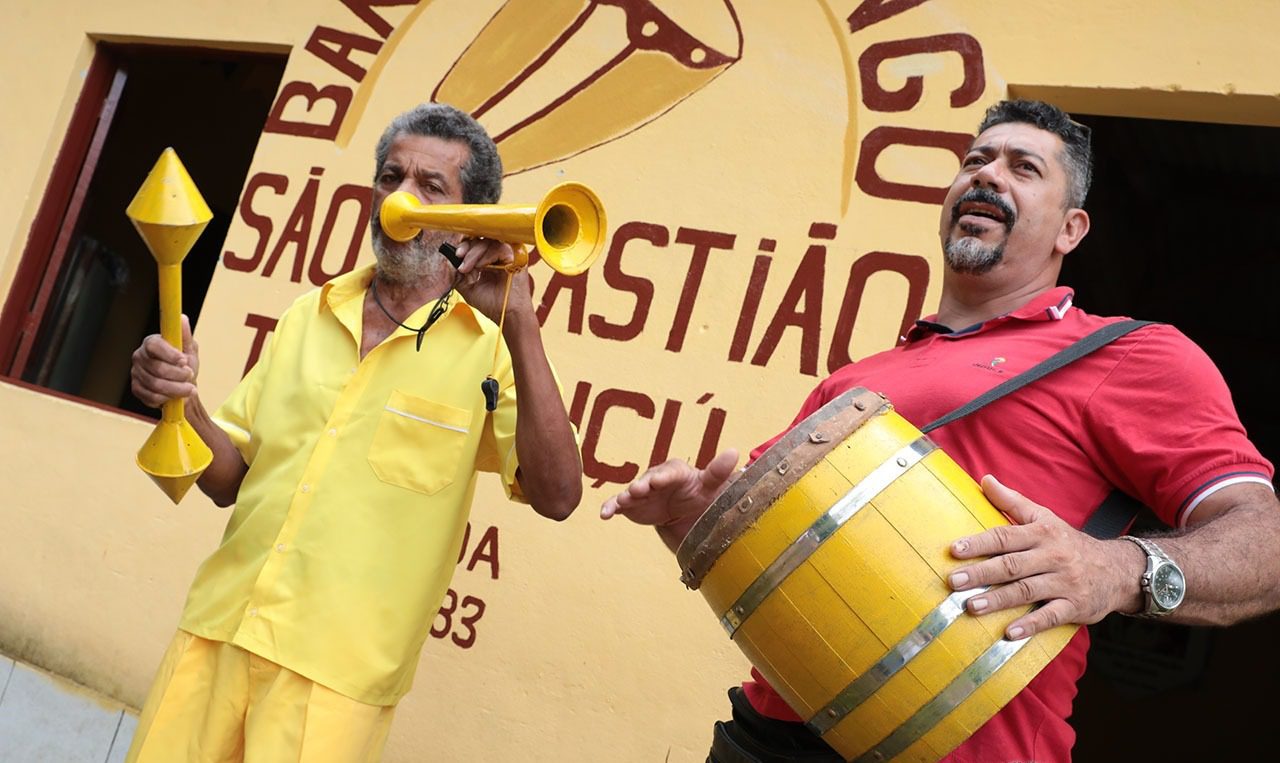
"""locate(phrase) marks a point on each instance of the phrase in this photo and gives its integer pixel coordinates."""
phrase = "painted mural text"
(879, 98)
(796, 315)
(321, 239)
(301, 244)
(458, 614)
(590, 413)
(304, 109)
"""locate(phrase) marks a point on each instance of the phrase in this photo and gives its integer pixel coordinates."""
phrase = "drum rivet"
(746, 504)
(859, 405)
(833, 713)
(817, 437)
(878, 755)
(902, 462)
(783, 467)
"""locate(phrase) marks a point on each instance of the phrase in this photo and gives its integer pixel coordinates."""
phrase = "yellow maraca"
(169, 213)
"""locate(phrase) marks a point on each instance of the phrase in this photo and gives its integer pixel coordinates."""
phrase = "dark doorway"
(1184, 231)
(85, 294)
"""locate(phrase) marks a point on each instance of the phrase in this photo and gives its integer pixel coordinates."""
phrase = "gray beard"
(970, 256)
(410, 262)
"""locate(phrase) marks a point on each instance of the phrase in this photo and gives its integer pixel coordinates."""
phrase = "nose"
(990, 175)
(415, 190)
(410, 185)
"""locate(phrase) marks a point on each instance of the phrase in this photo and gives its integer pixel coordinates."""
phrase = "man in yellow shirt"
(350, 452)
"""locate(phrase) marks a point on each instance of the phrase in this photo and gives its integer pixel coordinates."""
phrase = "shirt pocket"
(418, 443)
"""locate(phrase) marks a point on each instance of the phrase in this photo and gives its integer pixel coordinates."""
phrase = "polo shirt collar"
(1051, 305)
(338, 291)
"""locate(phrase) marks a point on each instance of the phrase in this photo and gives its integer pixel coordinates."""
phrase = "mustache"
(985, 196)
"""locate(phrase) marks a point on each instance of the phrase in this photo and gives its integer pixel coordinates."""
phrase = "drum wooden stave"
(826, 562)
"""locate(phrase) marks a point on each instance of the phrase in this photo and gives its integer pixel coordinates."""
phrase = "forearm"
(1230, 563)
(550, 466)
(221, 481)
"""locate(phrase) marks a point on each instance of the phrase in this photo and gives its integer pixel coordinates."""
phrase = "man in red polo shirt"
(1148, 414)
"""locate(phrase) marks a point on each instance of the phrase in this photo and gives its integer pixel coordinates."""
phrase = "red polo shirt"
(1149, 414)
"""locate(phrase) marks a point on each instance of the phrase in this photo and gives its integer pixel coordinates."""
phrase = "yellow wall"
(588, 643)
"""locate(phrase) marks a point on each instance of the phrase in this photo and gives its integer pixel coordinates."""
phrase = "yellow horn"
(568, 226)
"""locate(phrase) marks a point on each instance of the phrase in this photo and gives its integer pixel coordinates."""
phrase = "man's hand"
(482, 287)
(162, 372)
(672, 496)
(1040, 558)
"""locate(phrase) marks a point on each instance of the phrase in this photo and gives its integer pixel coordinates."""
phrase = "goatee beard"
(970, 256)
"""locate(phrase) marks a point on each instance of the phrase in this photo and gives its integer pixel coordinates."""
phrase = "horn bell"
(568, 226)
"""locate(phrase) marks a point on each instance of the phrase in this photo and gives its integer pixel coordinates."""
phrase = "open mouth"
(979, 206)
(978, 209)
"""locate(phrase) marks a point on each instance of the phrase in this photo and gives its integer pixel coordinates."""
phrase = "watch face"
(1168, 586)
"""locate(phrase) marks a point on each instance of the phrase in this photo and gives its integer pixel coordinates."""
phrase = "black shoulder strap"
(1118, 510)
(1082, 347)
(1113, 516)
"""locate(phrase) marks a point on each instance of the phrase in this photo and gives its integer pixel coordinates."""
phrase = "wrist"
(1130, 563)
(674, 530)
(519, 320)
(1162, 581)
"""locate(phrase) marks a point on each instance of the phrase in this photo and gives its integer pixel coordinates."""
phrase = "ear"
(1075, 226)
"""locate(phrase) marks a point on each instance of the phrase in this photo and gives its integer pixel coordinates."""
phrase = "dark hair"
(482, 172)
(1075, 137)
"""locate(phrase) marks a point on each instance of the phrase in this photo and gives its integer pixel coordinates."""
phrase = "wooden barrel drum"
(826, 562)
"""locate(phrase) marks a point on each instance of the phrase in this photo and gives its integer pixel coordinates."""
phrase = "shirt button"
(351, 370)
(306, 488)
(333, 433)
(253, 612)
(280, 547)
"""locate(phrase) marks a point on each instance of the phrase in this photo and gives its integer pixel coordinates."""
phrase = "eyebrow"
(420, 175)
(439, 177)
(1022, 152)
(1018, 152)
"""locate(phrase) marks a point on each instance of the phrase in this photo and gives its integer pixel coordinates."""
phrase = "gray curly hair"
(482, 172)
(1076, 139)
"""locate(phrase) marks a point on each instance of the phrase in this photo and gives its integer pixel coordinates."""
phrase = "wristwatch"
(1163, 583)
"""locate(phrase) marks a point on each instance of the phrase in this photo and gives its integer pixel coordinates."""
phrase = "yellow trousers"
(213, 702)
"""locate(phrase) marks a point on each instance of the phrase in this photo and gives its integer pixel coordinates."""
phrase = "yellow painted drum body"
(826, 561)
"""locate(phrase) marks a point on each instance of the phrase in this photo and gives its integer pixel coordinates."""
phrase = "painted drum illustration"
(826, 562)
(540, 78)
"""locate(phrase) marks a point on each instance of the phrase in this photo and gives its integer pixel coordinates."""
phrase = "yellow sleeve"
(235, 415)
(498, 441)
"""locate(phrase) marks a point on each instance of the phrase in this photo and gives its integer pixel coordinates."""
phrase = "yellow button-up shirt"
(348, 524)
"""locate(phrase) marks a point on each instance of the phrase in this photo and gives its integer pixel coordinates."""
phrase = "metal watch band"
(1155, 554)
(1148, 546)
